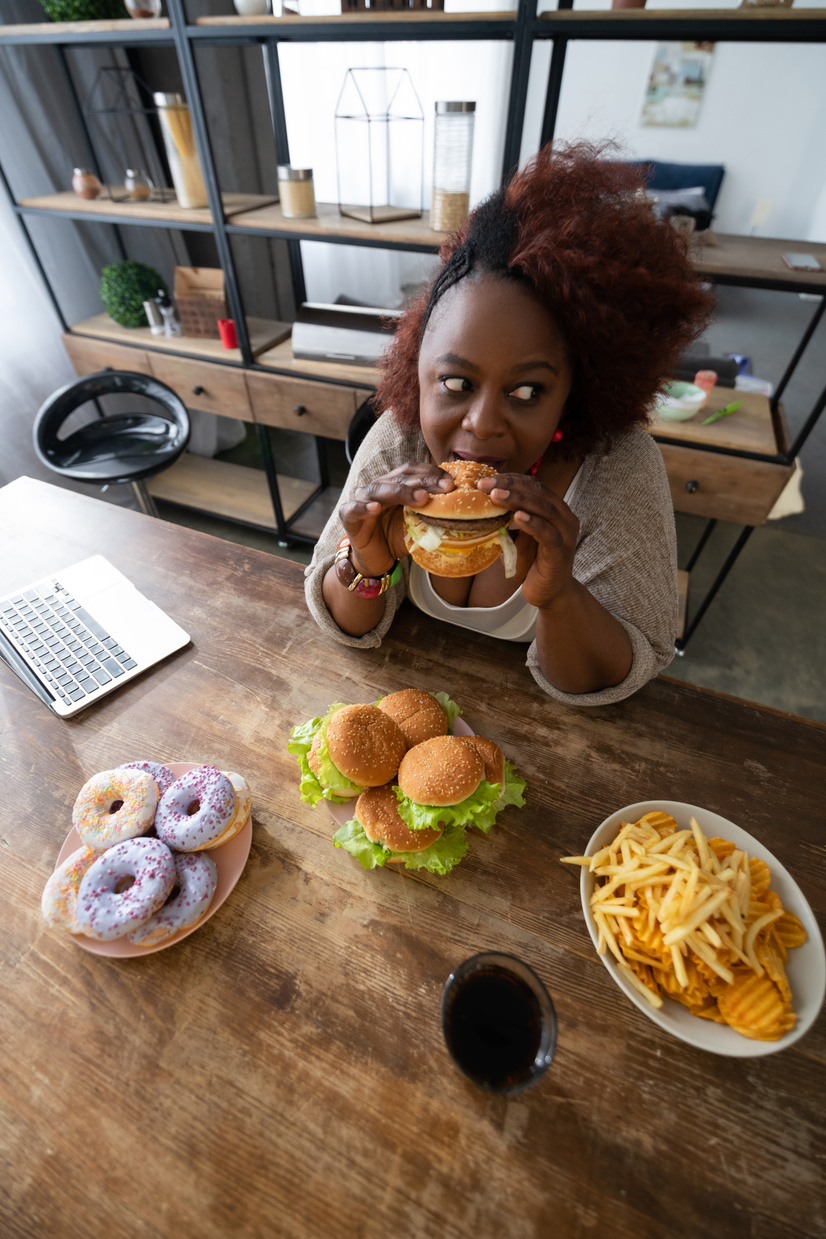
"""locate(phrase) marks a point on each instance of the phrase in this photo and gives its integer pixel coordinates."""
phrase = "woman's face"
(493, 376)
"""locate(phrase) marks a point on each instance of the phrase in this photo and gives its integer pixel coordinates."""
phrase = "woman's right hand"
(373, 519)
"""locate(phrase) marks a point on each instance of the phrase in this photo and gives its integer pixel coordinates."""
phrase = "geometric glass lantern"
(379, 146)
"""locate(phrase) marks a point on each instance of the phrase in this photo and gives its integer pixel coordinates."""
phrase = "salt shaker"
(452, 152)
(171, 322)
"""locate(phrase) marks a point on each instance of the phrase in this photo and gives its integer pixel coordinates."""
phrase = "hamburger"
(462, 532)
(499, 773)
(377, 836)
(351, 748)
(420, 715)
(441, 782)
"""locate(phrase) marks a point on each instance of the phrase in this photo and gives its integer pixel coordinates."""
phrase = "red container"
(227, 329)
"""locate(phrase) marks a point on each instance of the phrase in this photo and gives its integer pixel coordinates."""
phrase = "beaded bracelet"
(358, 584)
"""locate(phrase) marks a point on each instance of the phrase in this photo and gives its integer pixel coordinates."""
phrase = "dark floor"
(763, 638)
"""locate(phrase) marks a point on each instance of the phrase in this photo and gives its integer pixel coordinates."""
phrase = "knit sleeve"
(627, 559)
(385, 447)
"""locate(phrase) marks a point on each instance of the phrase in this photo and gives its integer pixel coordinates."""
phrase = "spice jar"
(181, 151)
(137, 185)
(143, 8)
(295, 189)
(85, 183)
(452, 152)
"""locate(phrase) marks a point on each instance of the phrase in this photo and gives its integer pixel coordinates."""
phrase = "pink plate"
(342, 813)
(230, 860)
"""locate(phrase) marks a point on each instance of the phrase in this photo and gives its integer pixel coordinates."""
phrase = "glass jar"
(295, 189)
(143, 8)
(137, 184)
(452, 154)
(85, 183)
(181, 151)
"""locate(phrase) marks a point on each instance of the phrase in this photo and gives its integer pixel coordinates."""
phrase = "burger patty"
(487, 524)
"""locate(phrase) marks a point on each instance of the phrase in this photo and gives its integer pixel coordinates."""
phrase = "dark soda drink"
(494, 1025)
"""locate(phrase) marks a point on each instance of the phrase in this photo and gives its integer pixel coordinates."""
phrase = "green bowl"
(678, 402)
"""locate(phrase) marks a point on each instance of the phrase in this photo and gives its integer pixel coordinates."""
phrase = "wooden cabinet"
(88, 355)
(204, 385)
(726, 488)
(300, 404)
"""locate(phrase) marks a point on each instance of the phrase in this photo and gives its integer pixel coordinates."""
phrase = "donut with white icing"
(105, 910)
(59, 901)
(243, 804)
(115, 805)
(197, 877)
(162, 775)
(196, 810)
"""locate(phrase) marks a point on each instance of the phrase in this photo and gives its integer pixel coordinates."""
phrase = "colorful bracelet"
(359, 584)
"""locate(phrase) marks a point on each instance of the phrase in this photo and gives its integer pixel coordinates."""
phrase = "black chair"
(119, 447)
(361, 422)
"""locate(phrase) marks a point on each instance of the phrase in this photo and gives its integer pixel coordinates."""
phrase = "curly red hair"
(574, 228)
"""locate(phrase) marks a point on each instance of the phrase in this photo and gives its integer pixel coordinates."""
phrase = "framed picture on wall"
(674, 93)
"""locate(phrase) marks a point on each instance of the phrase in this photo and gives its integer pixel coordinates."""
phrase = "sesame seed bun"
(377, 812)
(464, 502)
(417, 714)
(470, 541)
(346, 793)
(491, 755)
(442, 771)
(365, 745)
(456, 560)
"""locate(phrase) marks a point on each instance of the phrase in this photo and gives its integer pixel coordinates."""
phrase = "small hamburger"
(351, 748)
(441, 782)
(420, 715)
(500, 773)
(462, 532)
(377, 836)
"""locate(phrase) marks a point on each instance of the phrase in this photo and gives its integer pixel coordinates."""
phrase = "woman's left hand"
(540, 514)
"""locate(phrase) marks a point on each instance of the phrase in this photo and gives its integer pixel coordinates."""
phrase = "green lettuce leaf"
(330, 780)
(510, 793)
(439, 858)
(450, 708)
(418, 816)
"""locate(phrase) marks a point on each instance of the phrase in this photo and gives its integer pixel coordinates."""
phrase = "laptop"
(78, 634)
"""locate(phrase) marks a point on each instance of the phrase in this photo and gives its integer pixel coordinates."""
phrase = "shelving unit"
(732, 470)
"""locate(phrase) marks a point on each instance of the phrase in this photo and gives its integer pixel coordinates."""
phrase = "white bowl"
(678, 402)
(806, 967)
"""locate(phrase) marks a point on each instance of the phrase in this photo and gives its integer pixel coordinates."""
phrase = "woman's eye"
(525, 391)
(456, 384)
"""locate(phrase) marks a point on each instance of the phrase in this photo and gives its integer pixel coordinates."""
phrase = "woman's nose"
(483, 418)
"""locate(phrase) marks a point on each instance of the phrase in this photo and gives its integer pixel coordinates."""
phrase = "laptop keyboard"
(62, 642)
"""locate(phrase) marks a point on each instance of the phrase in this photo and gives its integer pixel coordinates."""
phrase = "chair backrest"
(667, 176)
(360, 423)
(121, 447)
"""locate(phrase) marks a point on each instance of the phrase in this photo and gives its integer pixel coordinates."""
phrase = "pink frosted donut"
(243, 804)
(162, 775)
(104, 912)
(197, 877)
(59, 902)
(113, 806)
(195, 810)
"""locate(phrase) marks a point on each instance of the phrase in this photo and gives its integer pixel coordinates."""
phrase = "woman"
(538, 350)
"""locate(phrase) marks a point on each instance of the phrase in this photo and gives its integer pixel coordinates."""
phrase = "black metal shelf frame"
(524, 29)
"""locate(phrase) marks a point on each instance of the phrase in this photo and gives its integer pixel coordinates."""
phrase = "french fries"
(696, 920)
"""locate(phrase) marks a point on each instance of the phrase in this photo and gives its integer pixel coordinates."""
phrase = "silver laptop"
(80, 633)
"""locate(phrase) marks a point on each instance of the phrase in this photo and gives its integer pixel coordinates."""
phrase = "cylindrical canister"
(181, 151)
(295, 189)
(452, 155)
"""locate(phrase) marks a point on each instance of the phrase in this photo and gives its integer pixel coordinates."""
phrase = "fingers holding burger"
(463, 531)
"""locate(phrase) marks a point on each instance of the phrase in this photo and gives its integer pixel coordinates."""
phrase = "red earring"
(556, 436)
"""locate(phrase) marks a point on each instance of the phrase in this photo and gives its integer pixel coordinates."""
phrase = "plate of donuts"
(229, 858)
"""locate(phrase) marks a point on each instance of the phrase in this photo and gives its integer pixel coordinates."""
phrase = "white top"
(513, 620)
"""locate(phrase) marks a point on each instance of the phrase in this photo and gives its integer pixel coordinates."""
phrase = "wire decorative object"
(117, 92)
(379, 129)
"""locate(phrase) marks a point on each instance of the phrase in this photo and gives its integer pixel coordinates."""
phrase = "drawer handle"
(692, 487)
(300, 410)
(197, 390)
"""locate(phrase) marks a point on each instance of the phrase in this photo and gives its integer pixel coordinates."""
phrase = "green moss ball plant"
(124, 286)
(84, 10)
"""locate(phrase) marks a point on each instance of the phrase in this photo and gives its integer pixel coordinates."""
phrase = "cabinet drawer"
(725, 487)
(300, 404)
(204, 385)
(88, 355)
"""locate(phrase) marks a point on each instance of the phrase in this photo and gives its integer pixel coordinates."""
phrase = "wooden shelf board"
(171, 212)
(355, 19)
(682, 15)
(99, 27)
(759, 258)
(263, 332)
(281, 358)
(229, 490)
(750, 429)
(329, 222)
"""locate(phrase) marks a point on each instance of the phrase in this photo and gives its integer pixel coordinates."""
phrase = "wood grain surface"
(282, 1072)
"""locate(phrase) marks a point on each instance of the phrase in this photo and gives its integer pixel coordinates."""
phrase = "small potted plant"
(124, 286)
(84, 10)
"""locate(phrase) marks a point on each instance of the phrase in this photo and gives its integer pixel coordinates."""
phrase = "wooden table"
(282, 1071)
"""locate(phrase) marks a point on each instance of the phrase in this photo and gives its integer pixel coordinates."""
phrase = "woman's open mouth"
(493, 461)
